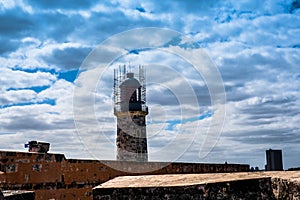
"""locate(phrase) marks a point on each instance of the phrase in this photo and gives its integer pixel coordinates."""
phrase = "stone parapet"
(258, 185)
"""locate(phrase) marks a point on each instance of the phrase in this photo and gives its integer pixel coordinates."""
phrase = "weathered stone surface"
(241, 189)
(131, 136)
(258, 185)
(52, 176)
(286, 189)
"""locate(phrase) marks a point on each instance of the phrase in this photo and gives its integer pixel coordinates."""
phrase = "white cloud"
(254, 45)
(17, 96)
(20, 79)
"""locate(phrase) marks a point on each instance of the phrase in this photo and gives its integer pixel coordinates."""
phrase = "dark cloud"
(55, 26)
(68, 58)
(271, 107)
(31, 122)
(15, 23)
(4, 101)
(57, 4)
(203, 96)
(295, 5)
(239, 72)
(255, 42)
(8, 45)
(236, 92)
(141, 9)
(27, 123)
(246, 68)
(189, 6)
(266, 136)
(101, 26)
(162, 97)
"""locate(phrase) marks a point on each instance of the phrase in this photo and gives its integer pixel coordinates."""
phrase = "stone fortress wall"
(241, 185)
(53, 176)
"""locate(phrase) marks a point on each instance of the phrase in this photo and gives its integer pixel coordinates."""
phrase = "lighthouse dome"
(130, 81)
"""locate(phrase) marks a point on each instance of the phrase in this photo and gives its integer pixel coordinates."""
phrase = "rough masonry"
(242, 186)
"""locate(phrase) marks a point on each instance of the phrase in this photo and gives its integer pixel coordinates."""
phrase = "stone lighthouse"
(131, 110)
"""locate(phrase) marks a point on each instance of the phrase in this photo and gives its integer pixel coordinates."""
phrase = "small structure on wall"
(38, 147)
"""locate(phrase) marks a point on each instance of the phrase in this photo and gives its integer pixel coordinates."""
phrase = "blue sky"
(253, 44)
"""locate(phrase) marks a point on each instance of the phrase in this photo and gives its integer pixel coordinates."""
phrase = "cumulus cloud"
(254, 45)
(17, 79)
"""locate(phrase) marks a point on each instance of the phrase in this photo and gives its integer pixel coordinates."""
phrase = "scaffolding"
(142, 79)
(120, 76)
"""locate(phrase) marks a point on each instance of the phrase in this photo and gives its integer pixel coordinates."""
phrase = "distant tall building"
(131, 110)
(274, 160)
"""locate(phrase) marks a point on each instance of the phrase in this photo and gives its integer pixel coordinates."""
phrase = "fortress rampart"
(54, 176)
(243, 185)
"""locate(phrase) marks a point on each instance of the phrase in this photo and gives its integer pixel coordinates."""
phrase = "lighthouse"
(131, 110)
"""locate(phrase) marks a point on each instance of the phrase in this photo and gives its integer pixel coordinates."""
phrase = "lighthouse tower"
(131, 110)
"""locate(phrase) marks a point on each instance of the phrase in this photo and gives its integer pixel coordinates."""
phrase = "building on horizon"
(274, 160)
